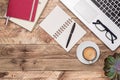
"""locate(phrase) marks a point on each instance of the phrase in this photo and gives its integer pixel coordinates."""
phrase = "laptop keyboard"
(111, 8)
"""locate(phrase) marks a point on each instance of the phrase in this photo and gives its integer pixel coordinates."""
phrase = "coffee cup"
(89, 54)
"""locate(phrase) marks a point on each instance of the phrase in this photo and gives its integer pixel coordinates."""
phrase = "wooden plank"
(31, 75)
(37, 64)
(53, 75)
(47, 65)
(83, 75)
(58, 79)
(15, 64)
(35, 51)
(75, 78)
(45, 57)
(43, 52)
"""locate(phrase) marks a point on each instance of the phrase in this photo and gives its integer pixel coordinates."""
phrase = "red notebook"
(22, 9)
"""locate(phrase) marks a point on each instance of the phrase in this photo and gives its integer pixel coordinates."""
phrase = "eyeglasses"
(101, 27)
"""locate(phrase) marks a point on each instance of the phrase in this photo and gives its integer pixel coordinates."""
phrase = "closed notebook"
(58, 25)
(28, 24)
(22, 9)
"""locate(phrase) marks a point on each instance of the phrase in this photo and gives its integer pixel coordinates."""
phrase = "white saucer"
(84, 45)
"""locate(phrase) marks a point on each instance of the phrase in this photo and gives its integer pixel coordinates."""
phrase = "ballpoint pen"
(70, 35)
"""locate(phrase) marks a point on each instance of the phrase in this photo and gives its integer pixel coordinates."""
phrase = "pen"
(70, 35)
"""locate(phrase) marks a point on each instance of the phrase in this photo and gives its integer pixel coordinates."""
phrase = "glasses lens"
(110, 36)
(100, 27)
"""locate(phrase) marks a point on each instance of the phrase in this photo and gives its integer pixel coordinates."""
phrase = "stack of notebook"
(25, 12)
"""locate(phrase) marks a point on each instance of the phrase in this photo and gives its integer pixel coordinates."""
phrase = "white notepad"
(58, 25)
(27, 24)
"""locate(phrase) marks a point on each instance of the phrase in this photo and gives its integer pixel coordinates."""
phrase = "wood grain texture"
(35, 55)
(45, 57)
(33, 75)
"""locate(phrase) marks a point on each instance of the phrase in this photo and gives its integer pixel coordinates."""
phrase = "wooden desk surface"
(35, 55)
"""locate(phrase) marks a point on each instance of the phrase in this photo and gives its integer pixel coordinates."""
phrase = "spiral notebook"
(58, 25)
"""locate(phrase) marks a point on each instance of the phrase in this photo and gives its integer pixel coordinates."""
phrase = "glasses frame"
(113, 36)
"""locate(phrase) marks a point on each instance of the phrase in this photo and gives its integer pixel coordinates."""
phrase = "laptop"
(102, 17)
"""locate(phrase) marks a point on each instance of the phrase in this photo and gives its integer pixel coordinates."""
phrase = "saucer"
(81, 48)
